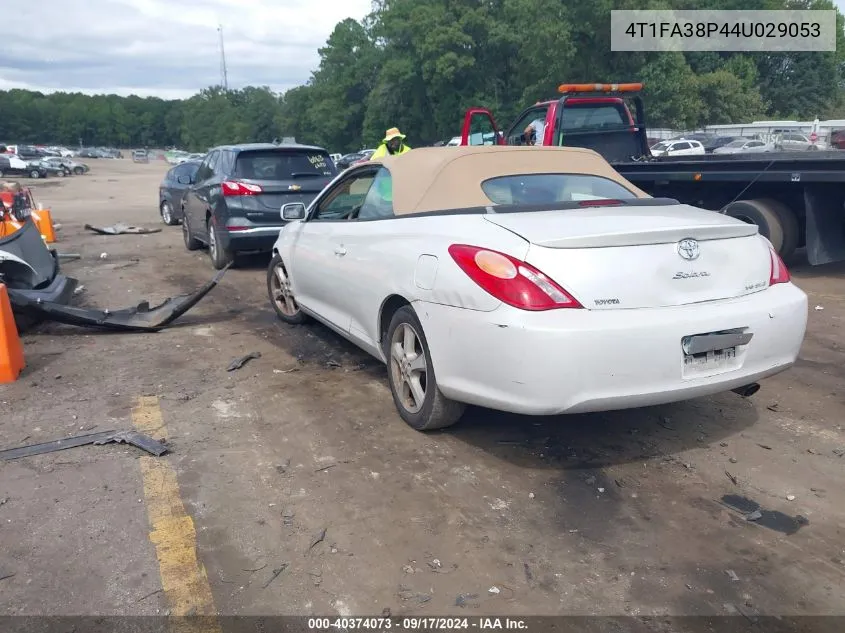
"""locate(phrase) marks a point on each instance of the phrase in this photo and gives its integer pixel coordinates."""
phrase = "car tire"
(281, 295)
(191, 243)
(78, 171)
(35, 174)
(220, 257)
(166, 211)
(404, 345)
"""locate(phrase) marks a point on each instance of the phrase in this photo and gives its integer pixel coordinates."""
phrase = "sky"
(167, 48)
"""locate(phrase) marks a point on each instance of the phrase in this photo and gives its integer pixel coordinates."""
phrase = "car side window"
(213, 159)
(516, 134)
(223, 165)
(679, 146)
(345, 200)
(203, 172)
(185, 169)
(379, 201)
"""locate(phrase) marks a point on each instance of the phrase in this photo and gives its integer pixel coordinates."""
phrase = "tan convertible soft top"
(437, 178)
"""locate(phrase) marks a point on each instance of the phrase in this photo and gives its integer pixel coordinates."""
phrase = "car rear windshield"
(548, 188)
(599, 115)
(283, 165)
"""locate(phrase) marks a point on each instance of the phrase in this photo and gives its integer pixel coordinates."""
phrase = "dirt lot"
(311, 472)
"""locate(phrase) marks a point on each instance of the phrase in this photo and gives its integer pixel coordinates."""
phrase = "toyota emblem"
(688, 249)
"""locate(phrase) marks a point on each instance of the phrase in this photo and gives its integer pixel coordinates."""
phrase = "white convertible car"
(536, 281)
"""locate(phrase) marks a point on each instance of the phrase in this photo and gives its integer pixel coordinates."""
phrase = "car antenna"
(756, 178)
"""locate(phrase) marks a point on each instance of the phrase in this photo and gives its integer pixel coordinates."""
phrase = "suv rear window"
(547, 188)
(283, 164)
(599, 115)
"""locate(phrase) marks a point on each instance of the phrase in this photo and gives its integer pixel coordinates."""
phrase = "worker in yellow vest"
(393, 144)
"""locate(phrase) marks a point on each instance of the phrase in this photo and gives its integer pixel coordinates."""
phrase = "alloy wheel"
(408, 366)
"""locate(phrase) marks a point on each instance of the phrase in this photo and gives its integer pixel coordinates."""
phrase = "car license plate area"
(710, 363)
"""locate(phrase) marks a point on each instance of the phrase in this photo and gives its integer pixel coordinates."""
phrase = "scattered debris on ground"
(139, 440)
(243, 360)
(321, 536)
(771, 519)
(276, 573)
(121, 229)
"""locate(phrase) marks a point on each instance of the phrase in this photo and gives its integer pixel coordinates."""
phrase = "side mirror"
(293, 211)
(184, 180)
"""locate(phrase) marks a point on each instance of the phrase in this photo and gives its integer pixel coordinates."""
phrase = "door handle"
(340, 251)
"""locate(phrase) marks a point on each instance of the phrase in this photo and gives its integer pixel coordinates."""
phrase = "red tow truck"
(797, 199)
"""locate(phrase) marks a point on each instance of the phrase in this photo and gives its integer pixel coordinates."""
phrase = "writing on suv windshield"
(283, 165)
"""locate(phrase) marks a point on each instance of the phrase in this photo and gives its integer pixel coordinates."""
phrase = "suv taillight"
(510, 280)
(235, 188)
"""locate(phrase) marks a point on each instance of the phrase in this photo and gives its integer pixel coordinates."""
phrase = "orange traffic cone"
(11, 349)
(44, 221)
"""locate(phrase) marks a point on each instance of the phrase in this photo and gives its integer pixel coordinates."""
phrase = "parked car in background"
(13, 165)
(543, 304)
(795, 142)
(680, 147)
(346, 160)
(77, 167)
(68, 164)
(140, 156)
(234, 203)
(365, 156)
(88, 152)
(55, 166)
(837, 139)
(720, 141)
(28, 152)
(744, 146)
(172, 189)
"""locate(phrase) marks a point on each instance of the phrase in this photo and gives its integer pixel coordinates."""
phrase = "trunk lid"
(620, 258)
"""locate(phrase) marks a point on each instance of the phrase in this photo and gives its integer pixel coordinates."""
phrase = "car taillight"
(780, 274)
(235, 188)
(510, 280)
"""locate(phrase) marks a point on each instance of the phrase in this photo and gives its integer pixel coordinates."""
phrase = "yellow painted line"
(183, 577)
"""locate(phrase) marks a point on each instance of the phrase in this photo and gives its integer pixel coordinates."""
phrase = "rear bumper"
(60, 291)
(256, 238)
(574, 361)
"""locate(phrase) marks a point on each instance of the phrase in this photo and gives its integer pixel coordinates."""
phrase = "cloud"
(166, 48)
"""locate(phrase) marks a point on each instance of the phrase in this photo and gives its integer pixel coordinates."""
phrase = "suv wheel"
(191, 243)
(167, 213)
(35, 174)
(220, 257)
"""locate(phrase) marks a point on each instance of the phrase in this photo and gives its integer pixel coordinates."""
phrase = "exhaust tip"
(746, 391)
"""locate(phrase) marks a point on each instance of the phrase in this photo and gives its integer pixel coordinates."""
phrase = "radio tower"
(223, 74)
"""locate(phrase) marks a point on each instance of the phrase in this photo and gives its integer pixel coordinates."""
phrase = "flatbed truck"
(796, 199)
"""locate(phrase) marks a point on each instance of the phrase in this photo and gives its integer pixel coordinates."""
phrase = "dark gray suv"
(234, 201)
